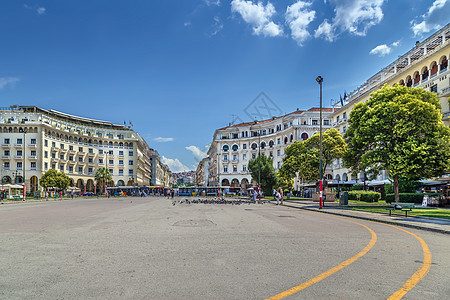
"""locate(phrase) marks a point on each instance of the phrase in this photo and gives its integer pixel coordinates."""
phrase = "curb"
(373, 220)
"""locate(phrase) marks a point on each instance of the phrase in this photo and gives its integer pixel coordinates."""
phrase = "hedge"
(409, 197)
(366, 196)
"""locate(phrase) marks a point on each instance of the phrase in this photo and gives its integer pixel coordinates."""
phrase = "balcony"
(32, 146)
(122, 166)
(32, 157)
(18, 145)
(235, 161)
(63, 150)
(72, 152)
(445, 92)
(6, 145)
(71, 162)
(91, 154)
(6, 157)
(33, 169)
(18, 157)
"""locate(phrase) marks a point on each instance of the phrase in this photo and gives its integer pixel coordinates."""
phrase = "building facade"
(34, 140)
(233, 146)
(425, 65)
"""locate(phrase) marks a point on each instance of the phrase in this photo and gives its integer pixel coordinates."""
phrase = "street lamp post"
(24, 164)
(319, 80)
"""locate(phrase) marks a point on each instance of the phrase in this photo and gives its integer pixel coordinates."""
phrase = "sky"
(180, 69)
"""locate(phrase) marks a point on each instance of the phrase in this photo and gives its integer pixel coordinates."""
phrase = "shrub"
(409, 197)
(357, 187)
(366, 196)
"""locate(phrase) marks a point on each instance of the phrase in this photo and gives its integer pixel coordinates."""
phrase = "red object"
(259, 188)
(320, 193)
(24, 192)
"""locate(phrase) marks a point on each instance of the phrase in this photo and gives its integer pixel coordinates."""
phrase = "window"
(61, 168)
(278, 141)
(130, 162)
(244, 146)
(33, 152)
(33, 165)
(225, 148)
(120, 172)
(344, 116)
(19, 165)
(61, 156)
(33, 142)
(100, 151)
(54, 166)
(235, 157)
(434, 88)
(121, 162)
(326, 122)
(90, 150)
(46, 143)
(80, 169)
(90, 160)
(80, 149)
(53, 144)
(314, 122)
(6, 141)
(130, 172)
(279, 164)
(100, 160)
(234, 168)
(235, 147)
(225, 157)
(254, 146)
(120, 153)
(130, 153)
(111, 162)
(70, 147)
(271, 154)
(70, 169)
(80, 158)
(278, 152)
(244, 156)
(19, 141)
(111, 152)
(225, 169)
(6, 153)
(89, 170)
(45, 154)
(253, 156)
(19, 153)
(71, 157)
(46, 166)
(61, 146)
(6, 165)
(53, 155)
(244, 168)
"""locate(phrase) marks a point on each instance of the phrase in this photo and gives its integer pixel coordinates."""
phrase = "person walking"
(71, 194)
(277, 197)
(274, 194)
(282, 195)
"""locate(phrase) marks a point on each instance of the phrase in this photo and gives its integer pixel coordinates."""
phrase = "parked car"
(89, 194)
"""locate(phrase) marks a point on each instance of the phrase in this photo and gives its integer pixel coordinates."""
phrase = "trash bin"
(343, 198)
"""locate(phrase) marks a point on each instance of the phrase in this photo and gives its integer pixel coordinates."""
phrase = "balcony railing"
(18, 145)
(6, 145)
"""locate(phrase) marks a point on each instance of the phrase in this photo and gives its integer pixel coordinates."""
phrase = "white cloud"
(198, 154)
(217, 26)
(298, 17)
(39, 10)
(8, 81)
(354, 16)
(186, 24)
(175, 165)
(395, 44)
(259, 16)
(437, 16)
(212, 2)
(381, 50)
(163, 139)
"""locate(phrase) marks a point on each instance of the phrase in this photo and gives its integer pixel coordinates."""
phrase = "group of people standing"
(278, 195)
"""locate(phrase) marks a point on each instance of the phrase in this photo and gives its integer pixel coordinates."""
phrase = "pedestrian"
(274, 194)
(277, 197)
(255, 195)
(282, 195)
(168, 194)
(71, 194)
(172, 193)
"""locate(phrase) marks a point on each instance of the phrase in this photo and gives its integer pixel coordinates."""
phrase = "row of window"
(19, 165)
(18, 152)
(235, 157)
(244, 168)
(19, 141)
(426, 73)
(254, 146)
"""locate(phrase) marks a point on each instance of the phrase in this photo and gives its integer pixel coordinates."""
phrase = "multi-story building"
(160, 172)
(34, 140)
(233, 146)
(425, 65)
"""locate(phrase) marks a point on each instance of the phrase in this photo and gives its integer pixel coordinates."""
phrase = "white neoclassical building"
(34, 140)
(233, 146)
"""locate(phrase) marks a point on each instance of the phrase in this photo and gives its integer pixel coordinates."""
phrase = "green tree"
(54, 179)
(333, 146)
(268, 176)
(102, 176)
(285, 180)
(398, 129)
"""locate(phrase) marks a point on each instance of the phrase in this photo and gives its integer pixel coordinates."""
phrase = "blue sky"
(178, 70)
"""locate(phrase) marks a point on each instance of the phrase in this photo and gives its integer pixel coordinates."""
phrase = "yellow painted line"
(326, 274)
(419, 274)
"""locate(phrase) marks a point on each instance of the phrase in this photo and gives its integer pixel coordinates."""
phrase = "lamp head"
(319, 79)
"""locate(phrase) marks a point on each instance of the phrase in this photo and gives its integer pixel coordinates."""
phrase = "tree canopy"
(268, 176)
(103, 176)
(398, 129)
(302, 157)
(54, 179)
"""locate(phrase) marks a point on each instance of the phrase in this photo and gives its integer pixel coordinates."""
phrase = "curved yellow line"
(324, 275)
(419, 274)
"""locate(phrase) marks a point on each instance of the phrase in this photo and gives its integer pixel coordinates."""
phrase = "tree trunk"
(396, 189)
